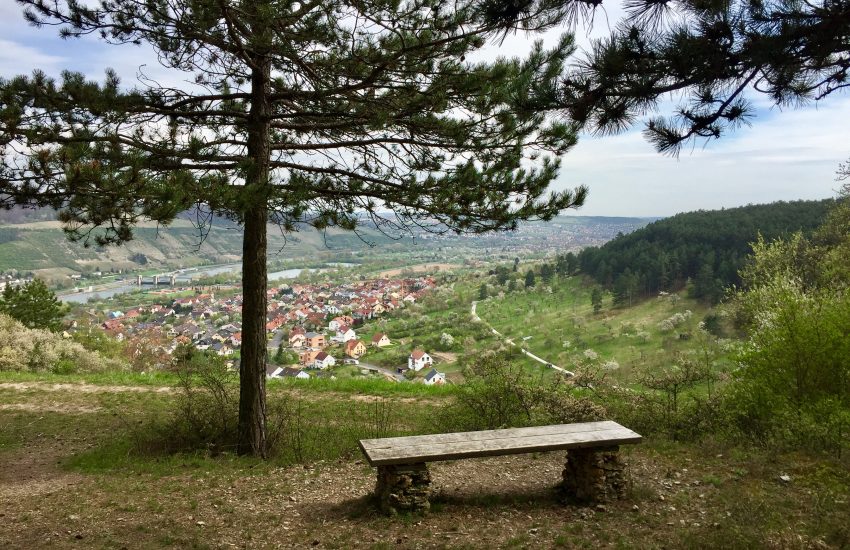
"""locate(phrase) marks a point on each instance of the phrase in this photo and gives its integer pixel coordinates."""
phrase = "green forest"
(709, 248)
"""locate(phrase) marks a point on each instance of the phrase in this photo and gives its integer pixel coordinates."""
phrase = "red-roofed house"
(355, 348)
(418, 360)
(380, 340)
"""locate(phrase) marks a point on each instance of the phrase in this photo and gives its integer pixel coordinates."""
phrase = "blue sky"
(785, 155)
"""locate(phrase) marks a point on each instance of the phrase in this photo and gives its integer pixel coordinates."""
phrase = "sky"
(787, 154)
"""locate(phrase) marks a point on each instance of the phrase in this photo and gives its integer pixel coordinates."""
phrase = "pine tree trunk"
(252, 369)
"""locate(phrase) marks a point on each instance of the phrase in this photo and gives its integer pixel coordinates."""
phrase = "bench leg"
(594, 475)
(403, 488)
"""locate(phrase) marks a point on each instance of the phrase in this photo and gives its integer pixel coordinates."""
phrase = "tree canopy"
(33, 304)
(329, 113)
(795, 377)
(715, 56)
(707, 247)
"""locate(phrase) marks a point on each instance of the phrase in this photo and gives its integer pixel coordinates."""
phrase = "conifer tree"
(596, 300)
(324, 113)
(33, 304)
(712, 54)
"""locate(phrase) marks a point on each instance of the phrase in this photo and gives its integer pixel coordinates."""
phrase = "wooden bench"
(593, 471)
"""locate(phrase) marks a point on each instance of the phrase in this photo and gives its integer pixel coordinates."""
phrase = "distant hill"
(708, 247)
(31, 240)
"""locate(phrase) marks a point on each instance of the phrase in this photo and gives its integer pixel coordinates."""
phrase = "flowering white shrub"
(447, 339)
(611, 365)
(674, 320)
(37, 350)
(590, 354)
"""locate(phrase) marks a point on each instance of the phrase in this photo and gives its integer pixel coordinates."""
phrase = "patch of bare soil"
(33, 472)
(445, 356)
(485, 503)
(82, 388)
(377, 398)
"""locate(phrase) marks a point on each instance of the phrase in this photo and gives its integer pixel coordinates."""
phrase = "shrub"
(499, 394)
(39, 350)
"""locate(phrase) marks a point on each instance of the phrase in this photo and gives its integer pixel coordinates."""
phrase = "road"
(276, 339)
(474, 312)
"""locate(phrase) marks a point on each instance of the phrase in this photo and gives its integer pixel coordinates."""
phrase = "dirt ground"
(680, 497)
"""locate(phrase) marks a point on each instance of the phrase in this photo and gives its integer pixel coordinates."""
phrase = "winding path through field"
(475, 317)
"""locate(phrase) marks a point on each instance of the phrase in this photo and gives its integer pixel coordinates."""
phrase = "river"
(113, 289)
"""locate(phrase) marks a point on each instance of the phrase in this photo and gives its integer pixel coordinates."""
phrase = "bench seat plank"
(453, 446)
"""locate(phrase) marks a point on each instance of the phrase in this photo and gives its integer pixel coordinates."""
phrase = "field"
(560, 326)
(71, 479)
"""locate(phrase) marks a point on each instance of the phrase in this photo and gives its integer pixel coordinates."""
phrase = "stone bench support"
(593, 471)
(594, 475)
(403, 488)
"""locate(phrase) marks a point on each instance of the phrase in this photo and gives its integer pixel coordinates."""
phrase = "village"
(312, 328)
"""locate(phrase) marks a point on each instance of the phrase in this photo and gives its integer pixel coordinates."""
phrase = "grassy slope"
(43, 246)
(561, 325)
(71, 446)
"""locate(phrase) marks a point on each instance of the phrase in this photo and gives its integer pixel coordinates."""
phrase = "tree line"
(706, 248)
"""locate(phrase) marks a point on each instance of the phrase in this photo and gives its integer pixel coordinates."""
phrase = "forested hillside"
(708, 247)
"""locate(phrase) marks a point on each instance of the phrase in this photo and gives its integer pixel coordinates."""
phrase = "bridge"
(164, 279)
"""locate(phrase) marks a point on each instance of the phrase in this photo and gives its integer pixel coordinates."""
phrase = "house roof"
(351, 344)
(417, 354)
(291, 372)
(378, 336)
(432, 374)
(321, 356)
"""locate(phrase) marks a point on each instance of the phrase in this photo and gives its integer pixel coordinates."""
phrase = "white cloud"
(785, 156)
(16, 58)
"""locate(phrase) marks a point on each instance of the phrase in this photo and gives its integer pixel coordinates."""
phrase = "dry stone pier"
(594, 475)
(403, 488)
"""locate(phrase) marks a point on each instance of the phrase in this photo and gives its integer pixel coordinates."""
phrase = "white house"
(323, 361)
(344, 333)
(434, 377)
(418, 360)
(289, 372)
(380, 340)
(297, 340)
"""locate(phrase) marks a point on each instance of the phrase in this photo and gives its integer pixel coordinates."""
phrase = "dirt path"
(82, 388)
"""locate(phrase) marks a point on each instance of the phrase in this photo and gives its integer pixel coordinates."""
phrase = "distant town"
(314, 325)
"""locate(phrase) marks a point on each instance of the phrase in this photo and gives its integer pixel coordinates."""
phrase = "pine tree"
(625, 288)
(572, 263)
(529, 279)
(714, 55)
(312, 113)
(33, 304)
(596, 300)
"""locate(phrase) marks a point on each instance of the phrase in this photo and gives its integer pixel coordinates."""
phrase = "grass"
(560, 326)
(714, 494)
(112, 378)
